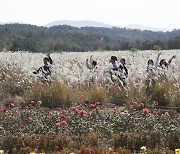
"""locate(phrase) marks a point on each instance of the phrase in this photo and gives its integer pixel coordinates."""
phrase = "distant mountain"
(84, 23)
(142, 27)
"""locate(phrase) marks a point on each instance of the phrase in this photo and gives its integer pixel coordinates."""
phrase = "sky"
(153, 13)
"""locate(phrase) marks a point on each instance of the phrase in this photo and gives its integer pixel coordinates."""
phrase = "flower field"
(81, 112)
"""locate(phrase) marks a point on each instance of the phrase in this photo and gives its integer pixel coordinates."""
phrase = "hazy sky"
(154, 13)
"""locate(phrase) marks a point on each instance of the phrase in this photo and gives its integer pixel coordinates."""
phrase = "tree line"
(15, 37)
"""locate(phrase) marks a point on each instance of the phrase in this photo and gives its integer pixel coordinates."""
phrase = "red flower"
(5, 110)
(39, 102)
(154, 112)
(12, 105)
(32, 102)
(30, 119)
(23, 102)
(141, 105)
(63, 123)
(145, 110)
(58, 124)
(135, 103)
(73, 108)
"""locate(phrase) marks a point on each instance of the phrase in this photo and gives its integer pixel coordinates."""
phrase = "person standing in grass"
(123, 71)
(164, 66)
(151, 71)
(45, 70)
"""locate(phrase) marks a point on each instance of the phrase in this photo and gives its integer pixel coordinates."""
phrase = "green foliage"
(157, 47)
(66, 38)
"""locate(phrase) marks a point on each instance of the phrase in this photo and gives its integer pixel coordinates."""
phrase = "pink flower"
(155, 103)
(23, 102)
(154, 112)
(167, 114)
(12, 105)
(63, 111)
(145, 110)
(135, 103)
(141, 105)
(1, 107)
(63, 116)
(92, 106)
(114, 109)
(63, 123)
(97, 103)
(58, 124)
(74, 108)
(32, 102)
(30, 119)
(82, 112)
(50, 113)
(5, 110)
(39, 102)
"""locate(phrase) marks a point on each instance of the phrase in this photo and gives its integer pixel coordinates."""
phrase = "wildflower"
(167, 114)
(63, 123)
(143, 148)
(1, 107)
(97, 103)
(155, 103)
(12, 105)
(63, 111)
(134, 103)
(141, 105)
(177, 151)
(74, 108)
(63, 116)
(39, 102)
(92, 106)
(30, 119)
(58, 124)
(145, 110)
(154, 112)
(1, 151)
(114, 109)
(32, 102)
(5, 110)
(82, 112)
(50, 113)
(23, 102)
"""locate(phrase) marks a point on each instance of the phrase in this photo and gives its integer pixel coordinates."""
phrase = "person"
(113, 61)
(92, 63)
(45, 70)
(164, 66)
(123, 71)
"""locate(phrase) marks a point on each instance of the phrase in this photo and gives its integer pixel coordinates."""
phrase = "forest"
(24, 37)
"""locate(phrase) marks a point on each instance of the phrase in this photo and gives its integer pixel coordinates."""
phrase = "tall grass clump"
(13, 82)
(55, 95)
(166, 92)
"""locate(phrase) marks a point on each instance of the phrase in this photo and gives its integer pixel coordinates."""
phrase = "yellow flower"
(1, 151)
(32, 153)
(177, 151)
